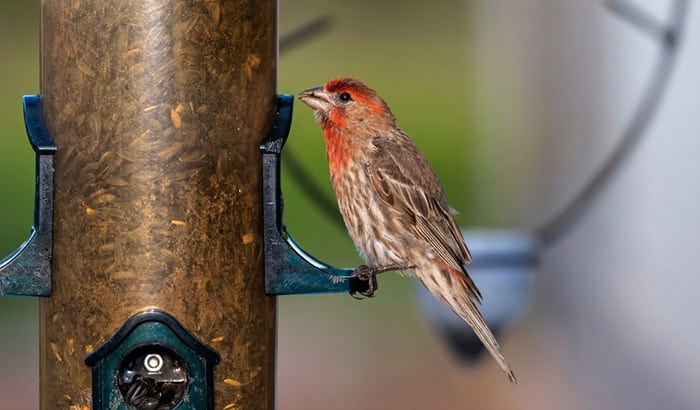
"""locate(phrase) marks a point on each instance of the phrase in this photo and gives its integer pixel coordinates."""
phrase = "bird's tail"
(456, 289)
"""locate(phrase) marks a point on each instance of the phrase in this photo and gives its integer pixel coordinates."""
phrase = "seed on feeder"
(175, 116)
(170, 151)
(132, 52)
(54, 349)
(232, 382)
(116, 181)
(97, 193)
(83, 68)
(192, 156)
(122, 274)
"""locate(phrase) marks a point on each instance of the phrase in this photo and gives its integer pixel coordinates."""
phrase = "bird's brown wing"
(404, 180)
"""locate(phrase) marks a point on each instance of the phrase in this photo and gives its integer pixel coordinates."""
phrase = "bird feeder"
(148, 252)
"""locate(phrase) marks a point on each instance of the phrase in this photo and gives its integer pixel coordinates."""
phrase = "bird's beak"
(316, 98)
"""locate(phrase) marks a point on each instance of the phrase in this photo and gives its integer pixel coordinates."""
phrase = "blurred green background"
(345, 354)
(19, 74)
(422, 77)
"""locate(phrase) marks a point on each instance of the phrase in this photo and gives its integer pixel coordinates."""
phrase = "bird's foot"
(369, 274)
(365, 274)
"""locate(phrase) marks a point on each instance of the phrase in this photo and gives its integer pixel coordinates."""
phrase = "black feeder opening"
(152, 363)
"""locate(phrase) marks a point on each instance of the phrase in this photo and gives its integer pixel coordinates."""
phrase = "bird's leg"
(369, 274)
(364, 272)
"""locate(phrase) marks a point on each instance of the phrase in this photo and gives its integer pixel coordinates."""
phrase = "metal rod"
(562, 223)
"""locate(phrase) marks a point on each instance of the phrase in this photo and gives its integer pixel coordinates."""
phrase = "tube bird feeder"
(157, 109)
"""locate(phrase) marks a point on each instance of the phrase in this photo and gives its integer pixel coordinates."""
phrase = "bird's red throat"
(338, 151)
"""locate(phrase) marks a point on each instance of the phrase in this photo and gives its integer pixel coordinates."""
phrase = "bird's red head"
(347, 103)
(357, 91)
(351, 114)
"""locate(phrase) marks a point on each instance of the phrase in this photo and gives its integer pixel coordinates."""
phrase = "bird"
(392, 202)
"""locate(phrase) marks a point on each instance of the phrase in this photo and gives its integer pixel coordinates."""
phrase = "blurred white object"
(503, 268)
(620, 292)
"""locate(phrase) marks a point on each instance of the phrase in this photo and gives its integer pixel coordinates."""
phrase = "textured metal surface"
(158, 108)
(27, 270)
(288, 269)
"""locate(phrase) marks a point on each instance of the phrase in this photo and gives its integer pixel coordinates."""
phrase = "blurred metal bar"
(641, 118)
(644, 21)
(302, 34)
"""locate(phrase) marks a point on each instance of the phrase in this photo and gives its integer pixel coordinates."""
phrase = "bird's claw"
(365, 274)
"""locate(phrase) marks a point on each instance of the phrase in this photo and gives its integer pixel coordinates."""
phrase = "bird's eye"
(345, 97)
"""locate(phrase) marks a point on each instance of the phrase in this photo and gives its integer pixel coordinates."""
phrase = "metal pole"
(157, 109)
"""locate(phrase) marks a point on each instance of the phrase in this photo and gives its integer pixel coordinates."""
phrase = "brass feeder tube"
(157, 109)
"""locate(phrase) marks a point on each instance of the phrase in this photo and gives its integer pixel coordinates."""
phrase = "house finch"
(392, 202)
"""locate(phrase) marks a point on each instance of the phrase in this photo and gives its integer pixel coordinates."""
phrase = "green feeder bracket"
(27, 270)
(288, 269)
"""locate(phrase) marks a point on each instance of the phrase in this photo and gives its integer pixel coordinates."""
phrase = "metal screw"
(153, 362)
